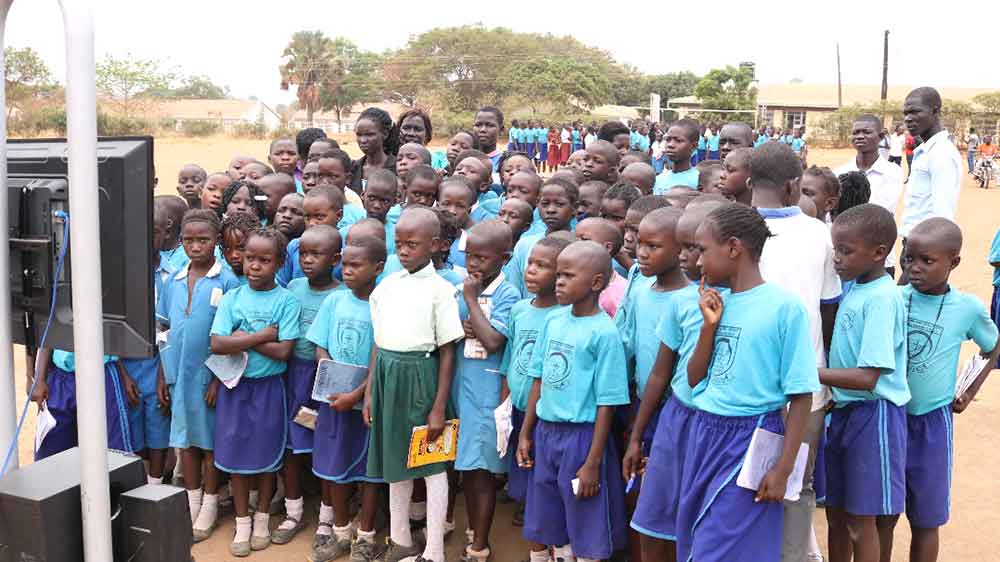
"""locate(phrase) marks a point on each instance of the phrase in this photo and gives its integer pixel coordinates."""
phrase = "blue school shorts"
(866, 458)
(149, 424)
(517, 477)
(718, 521)
(299, 384)
(594, 527)
(340, 449)
(250, 426)
(659, 496)
(929, 454)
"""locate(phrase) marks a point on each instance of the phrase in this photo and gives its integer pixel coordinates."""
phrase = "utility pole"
(885, 72)
(840, 93)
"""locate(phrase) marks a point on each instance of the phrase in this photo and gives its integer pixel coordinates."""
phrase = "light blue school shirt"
(934, 342)
(995, 257)
(642, 143)
(522, 134)
(390, 240)
(870, 332)
(633, 139)
(66, 360)
(579, 360)
(309, 302)
(522, 332)
(575, 136)
(542, 134)
(177, 257)
(760, 140)
(514, 269)
(439, 160)
(352, 214)
(514, 134)
(392, 217)
(343, 327)
(763, 353)
(251, 311)
(161, 276)
(531, 135)
(189, 340)
(713, 143)
(797, 144)
(456, 254)
(637, 319)
(680, 325)
(669, 179)
(634, 279)
(702, 145)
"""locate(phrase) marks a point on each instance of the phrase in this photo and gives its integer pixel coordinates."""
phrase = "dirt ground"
(968, 537)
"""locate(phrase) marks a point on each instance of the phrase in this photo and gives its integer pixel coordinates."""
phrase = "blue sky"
(239, 43)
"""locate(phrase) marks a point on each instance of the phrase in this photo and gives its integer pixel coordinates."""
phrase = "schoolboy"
(488, 126)
(866, 439)
(822, 186)
(335, 169)
(798, 257)
(276, 186)
(458, 197)
(626, 258)
(290, 217)
(557, 205)
(609, 237)
(518, 216)
(378, 198)
(172, 249)
(484, 308)
(617, 200)
(641, 175)
(211, 193)
(410, 380)
(939, 318)
(681, 139)
(735, 174)
(591, 194)
(323, 205)
(190, 181)
(283, 156)
(733, 135)
(410, 156)
(617, 133)
(601, 162)
(710, 176)
(578, 382)
(236, 165)
(687, 226)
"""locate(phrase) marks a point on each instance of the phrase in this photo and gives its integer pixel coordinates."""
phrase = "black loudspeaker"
(154, 522)
(40, 516)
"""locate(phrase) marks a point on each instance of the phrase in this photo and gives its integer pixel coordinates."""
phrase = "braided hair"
(736, 220)
(623, 191)
(854, 190)
(259, 205)
(205, 216)
(381, 119)
(276, 237)
(305, 138)
(416, 112)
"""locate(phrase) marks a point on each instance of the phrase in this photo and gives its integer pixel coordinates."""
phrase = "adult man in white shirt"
(897, 142)
(885, 178)
(936, 172)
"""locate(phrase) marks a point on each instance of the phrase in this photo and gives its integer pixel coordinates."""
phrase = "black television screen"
(38, 185)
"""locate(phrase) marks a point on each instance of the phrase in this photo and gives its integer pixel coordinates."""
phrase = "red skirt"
(555, 153)
(564, 153)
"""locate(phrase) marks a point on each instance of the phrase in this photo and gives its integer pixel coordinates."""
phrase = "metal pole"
(885, 72)
(88, 329)
(840, 96)
(8, 392)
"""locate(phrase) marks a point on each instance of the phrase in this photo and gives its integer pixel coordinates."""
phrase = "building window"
(794, 119)
(767, 116)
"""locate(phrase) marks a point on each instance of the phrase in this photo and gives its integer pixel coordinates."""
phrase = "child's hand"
(589, 476)
(269, 334)
(163, 394)
(435, 424)
(710, 303)
(632, 462)
(772, 487)
(524, 453)
(962, 402)
(473, 286)
(212, 393)
(343, 402)
(131, 389)
(41, 393)
(469, 333)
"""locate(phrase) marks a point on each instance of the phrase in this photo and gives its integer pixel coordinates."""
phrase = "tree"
(123, 79)
(561, 82)
(309, 60)
(25, 76)
(990, 102)
(355, 77)
(193, 87)
(671, 85)
(727, 88)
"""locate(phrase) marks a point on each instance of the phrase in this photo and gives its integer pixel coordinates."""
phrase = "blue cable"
(52, 310)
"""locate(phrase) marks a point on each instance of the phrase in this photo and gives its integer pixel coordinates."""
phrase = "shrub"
(200, 128)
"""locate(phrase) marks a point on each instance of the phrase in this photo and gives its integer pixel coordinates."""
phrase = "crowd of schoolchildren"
(644, 324)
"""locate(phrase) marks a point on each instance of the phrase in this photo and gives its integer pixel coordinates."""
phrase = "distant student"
(458, 197)
(517, 215)
(823, 187)
(710, 173)
(591, 194)
(681, 138)
(260, 319)
(378, 198)
(410, 156)
(290, 217)
(236, 229)
(323, 205)
(409, 385)
(753, 357)
(939, 318)
(174, 208)
(641, 175)
(566, 146)
(484, 307)
(557, 206)
(866, 439)
(701, 152)
(319, 252)
(605, 233)
(575, 499)
(335, 170)
(190, 181)
(283, 155)
(459, 142)
(187, 309)
(554, 149)
(601, 162)
(712, 142)
(659, 324)
(626, 259)
(243, 197)
(735, 174)
(211, 193)
(342, 331)
(512, 135)
(487, 127)
(255, 170)
(236, 165)
(616, 202)
(275, 186)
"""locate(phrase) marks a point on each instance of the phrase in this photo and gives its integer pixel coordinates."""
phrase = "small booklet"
(228, 368)
(441, 450)
(763, 453)
(46, 422)
(969, 372)
(306, 417)
(334, 377)
(502, 415)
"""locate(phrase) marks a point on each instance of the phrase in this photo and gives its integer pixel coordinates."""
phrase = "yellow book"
(441, 450)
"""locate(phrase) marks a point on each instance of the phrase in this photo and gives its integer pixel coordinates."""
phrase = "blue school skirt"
(340, 449)
(149, 424)
(299, 384)
(251, 427)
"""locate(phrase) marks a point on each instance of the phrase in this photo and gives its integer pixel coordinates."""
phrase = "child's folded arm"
(858, 378)
(242, 341)
(279, 350)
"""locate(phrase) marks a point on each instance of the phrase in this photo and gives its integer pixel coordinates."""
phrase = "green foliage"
(25, 77)
(115, 125)
(354, 76)
(726, 88)
(249, 130)
(632, 88)
(560, 82)
(835, 128)
(308, 61)
(47, 120)
(989, 102)
(200, 128)
(123, 79)
(192, 87)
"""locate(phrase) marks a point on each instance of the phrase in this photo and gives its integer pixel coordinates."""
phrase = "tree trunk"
(309, 114)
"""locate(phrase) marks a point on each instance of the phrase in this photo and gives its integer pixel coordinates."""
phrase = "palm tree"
(308, 58)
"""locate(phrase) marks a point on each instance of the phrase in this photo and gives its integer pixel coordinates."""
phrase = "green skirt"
(404, 386)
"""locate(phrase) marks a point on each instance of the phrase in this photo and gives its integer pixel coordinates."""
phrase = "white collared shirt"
(934, 184)
(415, 311)
(886, 180)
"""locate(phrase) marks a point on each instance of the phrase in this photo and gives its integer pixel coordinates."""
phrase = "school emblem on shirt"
(727, 340)
(523, 352)
(845, 321)
(922, 341)
(349, 340)
(556, 370)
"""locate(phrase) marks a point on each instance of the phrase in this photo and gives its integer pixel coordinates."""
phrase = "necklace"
(909, 306)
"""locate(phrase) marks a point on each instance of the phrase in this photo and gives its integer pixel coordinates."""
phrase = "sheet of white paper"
(969, 372)
(502, 415)
(228, 368)
(46, 422)
(763, 453)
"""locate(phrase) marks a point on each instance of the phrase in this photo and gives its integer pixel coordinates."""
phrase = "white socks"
(437, 509)
(209, 512)
(261, 519)
(343, 533)
(540, 556)
(151, 480)
(366, 536)
(243, 528)
(325, 519)
(813, 544)
(194, 503)
(399, 512)
(564, 553)
(294, 510)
